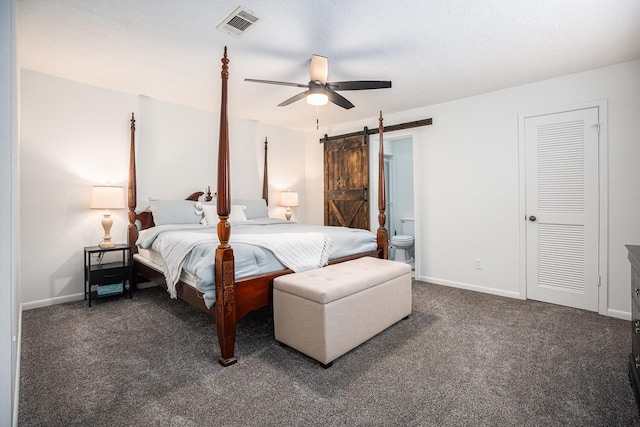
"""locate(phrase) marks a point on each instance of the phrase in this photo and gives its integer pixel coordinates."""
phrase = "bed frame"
(234, 298)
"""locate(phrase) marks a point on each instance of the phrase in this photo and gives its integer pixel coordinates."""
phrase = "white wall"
(75, 135)
(466, 168)
(72, 136)
(167, 136)
(286, 161)
(9, 214)
(314, 177)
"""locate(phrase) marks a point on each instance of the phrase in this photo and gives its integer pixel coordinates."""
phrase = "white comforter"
(259, 246)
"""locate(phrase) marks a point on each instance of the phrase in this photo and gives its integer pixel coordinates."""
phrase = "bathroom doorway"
(398, 163)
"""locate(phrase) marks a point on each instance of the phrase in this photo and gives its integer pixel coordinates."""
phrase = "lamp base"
(107, 245)
(287, 214)
(107, 222)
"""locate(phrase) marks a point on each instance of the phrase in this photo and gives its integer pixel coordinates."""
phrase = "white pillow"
(211, 214)
(255, 208)
(237, 214)
(174, 211)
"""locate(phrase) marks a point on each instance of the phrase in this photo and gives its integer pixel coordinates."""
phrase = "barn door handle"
(532, 218)
(364, 193)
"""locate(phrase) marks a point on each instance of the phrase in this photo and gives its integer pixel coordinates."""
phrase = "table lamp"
(288, 199)
(107, 197)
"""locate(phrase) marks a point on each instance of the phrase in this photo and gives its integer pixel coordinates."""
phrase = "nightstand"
(109, 278)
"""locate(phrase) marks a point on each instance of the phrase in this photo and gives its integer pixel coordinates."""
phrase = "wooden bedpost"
(382, 236)
(132, 199)
(224, 262)
(265, 177)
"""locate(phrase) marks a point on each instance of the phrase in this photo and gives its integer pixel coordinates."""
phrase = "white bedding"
(154, 260)
(253, 254)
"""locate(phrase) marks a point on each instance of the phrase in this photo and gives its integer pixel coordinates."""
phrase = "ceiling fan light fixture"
(317, 99)
(320, 92)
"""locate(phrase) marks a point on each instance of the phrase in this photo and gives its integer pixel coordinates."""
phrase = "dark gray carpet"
(461, 359)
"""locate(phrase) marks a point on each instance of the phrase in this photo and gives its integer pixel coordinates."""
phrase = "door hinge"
(599, 281)
(597, 126)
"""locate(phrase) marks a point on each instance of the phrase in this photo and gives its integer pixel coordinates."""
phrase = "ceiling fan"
(319, 91)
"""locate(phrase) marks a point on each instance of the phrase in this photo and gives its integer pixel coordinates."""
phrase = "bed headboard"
(146, 217)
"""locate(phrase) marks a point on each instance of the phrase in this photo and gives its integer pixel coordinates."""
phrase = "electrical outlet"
(479, 264)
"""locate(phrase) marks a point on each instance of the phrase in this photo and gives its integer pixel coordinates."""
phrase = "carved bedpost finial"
(225, 65)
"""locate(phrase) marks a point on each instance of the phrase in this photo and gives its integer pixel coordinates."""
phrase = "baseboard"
(618, 314)
(16, 385)
(469, 287)
(69, 298)
(51, 301)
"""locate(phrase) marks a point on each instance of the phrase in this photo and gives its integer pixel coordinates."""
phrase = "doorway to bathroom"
(399, 184)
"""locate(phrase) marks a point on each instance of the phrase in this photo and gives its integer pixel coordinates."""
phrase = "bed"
(233, 289)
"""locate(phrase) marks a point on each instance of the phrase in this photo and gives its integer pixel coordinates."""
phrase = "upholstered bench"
(326, 312)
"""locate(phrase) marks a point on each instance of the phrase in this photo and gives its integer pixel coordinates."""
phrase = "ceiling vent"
(239, 22)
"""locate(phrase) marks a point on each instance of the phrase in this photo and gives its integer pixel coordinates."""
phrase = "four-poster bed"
(234, 296)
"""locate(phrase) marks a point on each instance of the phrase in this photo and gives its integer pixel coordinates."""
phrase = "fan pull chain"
(317, 118)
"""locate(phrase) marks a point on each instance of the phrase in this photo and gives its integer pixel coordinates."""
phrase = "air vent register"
(239, 22)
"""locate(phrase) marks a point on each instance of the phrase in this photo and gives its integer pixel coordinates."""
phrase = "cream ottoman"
(326, 312)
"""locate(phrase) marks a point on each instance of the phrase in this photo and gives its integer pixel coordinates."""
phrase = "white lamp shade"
(107, 197)
(289, 198)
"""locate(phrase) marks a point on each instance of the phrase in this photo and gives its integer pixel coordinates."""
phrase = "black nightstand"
(110, 278)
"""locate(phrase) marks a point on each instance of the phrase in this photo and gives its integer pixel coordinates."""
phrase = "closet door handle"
(532, 218)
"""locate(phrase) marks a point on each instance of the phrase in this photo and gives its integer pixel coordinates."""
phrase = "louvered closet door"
(562, 208)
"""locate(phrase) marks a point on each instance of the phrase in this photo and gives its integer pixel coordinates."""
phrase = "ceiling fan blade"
(360, 85)
(273, 82)
(294, 99)
(340, 100)
(319, 69)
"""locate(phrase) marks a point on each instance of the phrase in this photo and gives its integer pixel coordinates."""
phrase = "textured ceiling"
(432, 50)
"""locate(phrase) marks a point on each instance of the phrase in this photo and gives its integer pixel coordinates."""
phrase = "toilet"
(403, 243)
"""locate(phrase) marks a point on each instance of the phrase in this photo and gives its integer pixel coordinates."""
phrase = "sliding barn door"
(346, 181)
